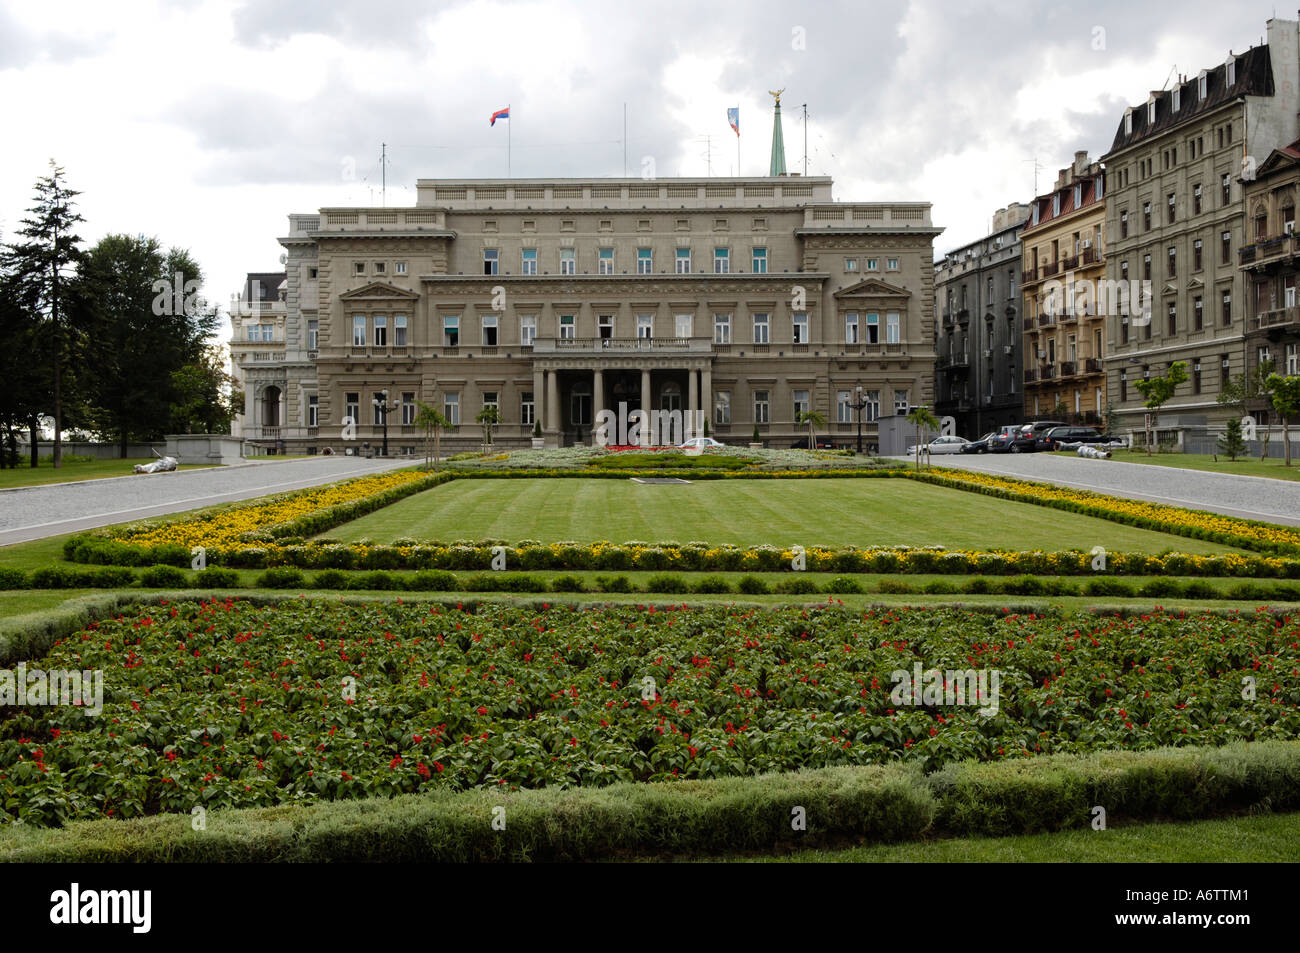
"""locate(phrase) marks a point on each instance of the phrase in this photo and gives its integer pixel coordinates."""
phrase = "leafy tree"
(1231, 444)
(23, 385)
(433, 423)
(1157, 391)
(39, 267)
(489, 417)
(1111, 418)
(1246, 390)
(813, 419)
(924, 421)
(203, 395)
(1285, 394)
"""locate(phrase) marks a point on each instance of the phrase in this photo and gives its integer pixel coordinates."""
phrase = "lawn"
(1267, 838)
(827, 512)
(74, 470)
(1243, 466)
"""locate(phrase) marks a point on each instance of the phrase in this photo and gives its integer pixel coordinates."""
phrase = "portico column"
(539, 404)
(553, 401)
(706, 392)
(645, 388)
(692, 391)
(597, 393)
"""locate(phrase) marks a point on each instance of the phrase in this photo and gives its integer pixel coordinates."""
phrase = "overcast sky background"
(205, 122)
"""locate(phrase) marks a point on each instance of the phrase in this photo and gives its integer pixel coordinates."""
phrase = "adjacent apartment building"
(978, 340)
(747, 299)
(1064, 321)
(1269, 263)
(257, 354)
(1176, 221)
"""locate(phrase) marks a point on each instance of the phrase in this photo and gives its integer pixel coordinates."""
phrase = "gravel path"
(1257, 498)
(38, 511)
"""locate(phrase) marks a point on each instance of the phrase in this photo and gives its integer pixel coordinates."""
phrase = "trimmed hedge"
(874, 804)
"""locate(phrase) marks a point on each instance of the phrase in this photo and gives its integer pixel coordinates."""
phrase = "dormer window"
(1230, 70)
(1078, 195)
(1128, 122)
(1178, 98)
(1202, 84)
(1056, 204)
(1151, 111)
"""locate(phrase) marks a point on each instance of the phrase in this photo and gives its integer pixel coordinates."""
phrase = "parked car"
(1024, 439)
(1071, 438)
(940, 445)
(981, 445)
(822, 444)
(700, 443)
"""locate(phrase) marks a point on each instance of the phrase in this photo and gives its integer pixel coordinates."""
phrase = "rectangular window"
(645, 262)
(760, 329)
(901, 403)
(358, 268)
(1173, 262)
(381, 330)
(873, 264)
(761, 407)
(721, 261)
(1196, 377)
(1292, 360)
(645, 326)
(1171, 204)
(451, 330)
(683, 261)
(313, 335)
(490, 400)
(1146, 216)
(568, 261)
(380, 267)
(851, 328)
(527, 409)
(1198, 315)
(352, 407)
(1172, 327)
(408, 408)
(527, 329)
(1123, 224)
(799, 330)
(722, 329)
(451, 408)
(844, 407)
(313, 411)
(491, 261)
(399, 330)
(800, 403)
(358, 330)
(489, 330)
(722, 407)
(891, 264)
(871, 412)
(1227, 308)
(850, 264)
(1225, 246)
(892, 329)
(1196, 255)
(1196, 199)
(1225, 186)
(605, 326)
(760, 261)
(873, 328)
(399, 267)
(605, 261)
(1146, 267)
(377, 407)
(528, 266)
(682, 325)
(568, 327)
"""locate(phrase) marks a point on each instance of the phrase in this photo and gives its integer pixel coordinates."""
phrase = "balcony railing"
(1028, 274)
(1029, 324)
(1277, 318)
(1046, 372)
(598, 344)
(1051, 268)
(1031, 376)
(1092, 365)
(1070, 262)
(1067, 368)
(1089, 256)
(1046, 320)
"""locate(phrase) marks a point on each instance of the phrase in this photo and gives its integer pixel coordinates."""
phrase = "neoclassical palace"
(750, 299)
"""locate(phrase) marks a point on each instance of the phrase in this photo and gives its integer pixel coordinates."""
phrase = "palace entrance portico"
(571, 388)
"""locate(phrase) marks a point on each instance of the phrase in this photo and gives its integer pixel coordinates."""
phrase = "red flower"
(482, 709)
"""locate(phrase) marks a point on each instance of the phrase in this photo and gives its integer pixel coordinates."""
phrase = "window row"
(378, 269)
(1172, 325)
(607, 264)
(371, 331)
(1171, 206)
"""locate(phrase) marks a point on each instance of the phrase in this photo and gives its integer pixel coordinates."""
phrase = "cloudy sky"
(205, 122)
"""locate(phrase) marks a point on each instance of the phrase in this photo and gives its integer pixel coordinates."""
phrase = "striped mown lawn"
(857, 512)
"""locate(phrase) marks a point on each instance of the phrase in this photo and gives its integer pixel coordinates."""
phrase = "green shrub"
(164, 577)
(1161, 588)
(753, 586)
(567, 584)
(897, 586)
(1108, 587)
(613, 584)
(1022, 586)
(109, 577)
(977, 586)
(432, 580)
(480, 582)
(281, 577)
(330, 579)
(376, 580)
(666, 582)
(711, 584)
(1250, 591)
(1200, 590)
(214, 577)
(938, 587)
(11, 578)
(796, 586)
(843, 585)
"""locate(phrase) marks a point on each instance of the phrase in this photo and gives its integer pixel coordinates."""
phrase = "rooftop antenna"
(1034, 160)
(1172, 72)
(383, 167)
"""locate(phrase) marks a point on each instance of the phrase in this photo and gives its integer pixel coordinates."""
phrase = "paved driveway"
(38, 511)
(1258, 498)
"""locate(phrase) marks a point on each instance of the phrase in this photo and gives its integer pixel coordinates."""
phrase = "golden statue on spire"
(776, 94)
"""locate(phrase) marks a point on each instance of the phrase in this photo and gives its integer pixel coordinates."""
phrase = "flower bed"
(1247, 534)
(229, 703)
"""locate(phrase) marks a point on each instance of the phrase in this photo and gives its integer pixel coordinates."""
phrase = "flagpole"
(509, 126)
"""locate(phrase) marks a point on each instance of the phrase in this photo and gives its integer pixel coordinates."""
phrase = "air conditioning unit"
(1042, 355)
(1289, 229)
(988, 352)
(1087, 243)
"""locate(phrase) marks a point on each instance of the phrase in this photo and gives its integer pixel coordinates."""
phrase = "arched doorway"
(271, 406)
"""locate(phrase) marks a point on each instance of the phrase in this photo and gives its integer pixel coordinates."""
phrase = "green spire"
(778, 140)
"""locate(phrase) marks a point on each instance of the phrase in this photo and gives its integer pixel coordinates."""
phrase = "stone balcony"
(612, 345)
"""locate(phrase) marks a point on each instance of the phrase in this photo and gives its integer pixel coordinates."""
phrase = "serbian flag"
(733, 117)
(499, 114)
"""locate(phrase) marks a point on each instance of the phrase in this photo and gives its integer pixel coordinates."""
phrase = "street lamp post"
(859, 404)
(384, 406)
